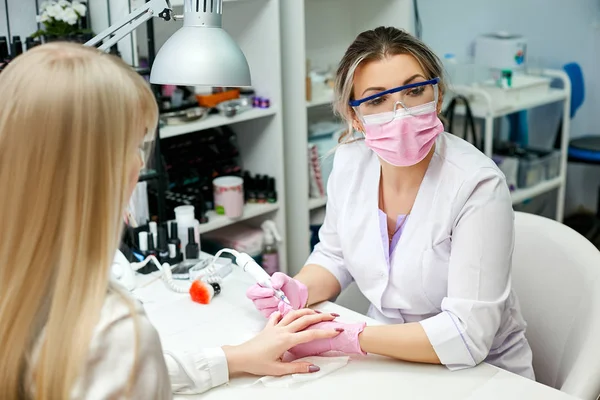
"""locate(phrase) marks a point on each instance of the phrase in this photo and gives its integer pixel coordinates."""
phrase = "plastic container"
(553, 165)
(228, 193)
(539, 165)
(523, 87)
(184, 215)
(325, 136)
(531, 172)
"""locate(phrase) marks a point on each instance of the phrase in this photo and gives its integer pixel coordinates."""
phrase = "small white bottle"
(184, 215)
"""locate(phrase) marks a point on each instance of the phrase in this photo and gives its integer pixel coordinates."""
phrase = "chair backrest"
(556, 275)
(573, 70)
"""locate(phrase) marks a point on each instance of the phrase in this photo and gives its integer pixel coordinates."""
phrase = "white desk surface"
(231, 319)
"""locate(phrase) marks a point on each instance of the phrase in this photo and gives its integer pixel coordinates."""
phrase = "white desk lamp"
(200, 53)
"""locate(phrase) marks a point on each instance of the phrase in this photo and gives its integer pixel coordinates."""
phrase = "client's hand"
(346, 342)
(262, 354)
(265, 301)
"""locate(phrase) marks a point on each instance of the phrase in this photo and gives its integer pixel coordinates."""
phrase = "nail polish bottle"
(153, 229)
(4, 56)
(151, 250)
(143, 242)
(162, 246)
(247, 179)
(264, 189)
(175, 256)
(17, 46)
(31, 42)
(252, 194)
(192, 251)
(272, 193)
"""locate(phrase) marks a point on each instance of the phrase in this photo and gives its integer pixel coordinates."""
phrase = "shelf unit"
(325, 100)
(483, 107)
(216, 221)
(320, 31)
(315, 203)
(255, 26)
(215, 120)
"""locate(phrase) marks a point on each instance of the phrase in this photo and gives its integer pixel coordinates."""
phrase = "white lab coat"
(450, 271)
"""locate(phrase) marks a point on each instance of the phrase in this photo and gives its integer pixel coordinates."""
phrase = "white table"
(232, 319)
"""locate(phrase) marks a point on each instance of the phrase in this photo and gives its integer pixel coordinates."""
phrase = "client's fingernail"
(339, 329)
(313, 368)
(335, 315)
(318, 312)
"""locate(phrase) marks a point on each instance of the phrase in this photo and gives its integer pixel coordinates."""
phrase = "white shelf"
(216, 221)
(481, 110)
(320, 101)
(215, 120)
(520, 195)
(314, 203)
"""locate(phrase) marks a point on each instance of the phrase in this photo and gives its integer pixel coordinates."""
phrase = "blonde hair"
(70, 118)
(375, 45)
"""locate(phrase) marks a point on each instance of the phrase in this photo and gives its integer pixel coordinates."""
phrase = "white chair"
(556, 275)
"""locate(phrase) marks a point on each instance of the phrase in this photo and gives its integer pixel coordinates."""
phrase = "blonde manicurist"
(421, 220)
(72, 121)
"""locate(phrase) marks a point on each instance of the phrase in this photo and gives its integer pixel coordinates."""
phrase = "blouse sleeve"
(478, 275)
(127, 361)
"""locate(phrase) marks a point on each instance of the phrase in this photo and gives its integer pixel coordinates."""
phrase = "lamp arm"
(122, 28)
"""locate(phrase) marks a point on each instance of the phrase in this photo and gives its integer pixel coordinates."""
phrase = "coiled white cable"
(165, 274)
(212, 279)
(210, 273)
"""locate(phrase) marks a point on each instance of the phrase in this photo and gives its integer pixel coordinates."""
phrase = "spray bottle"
(270, 255)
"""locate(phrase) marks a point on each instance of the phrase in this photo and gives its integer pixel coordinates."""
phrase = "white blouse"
(158, 372)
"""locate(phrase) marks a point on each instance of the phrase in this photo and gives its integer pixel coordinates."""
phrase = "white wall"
(22, 20)
(568, 31)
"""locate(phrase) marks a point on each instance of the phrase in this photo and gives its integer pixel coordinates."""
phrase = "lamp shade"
(200, 56)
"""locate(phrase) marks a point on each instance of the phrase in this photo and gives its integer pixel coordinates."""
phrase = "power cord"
(208, 275)
(165, 274)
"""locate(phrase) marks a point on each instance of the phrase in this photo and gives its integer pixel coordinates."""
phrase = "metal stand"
(161, 176)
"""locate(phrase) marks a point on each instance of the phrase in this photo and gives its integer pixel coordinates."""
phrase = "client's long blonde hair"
(69, 119)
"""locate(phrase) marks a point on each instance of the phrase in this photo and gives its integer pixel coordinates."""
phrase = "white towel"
(327, 365)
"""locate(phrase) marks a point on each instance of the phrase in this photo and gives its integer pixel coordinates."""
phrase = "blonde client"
(72, 121)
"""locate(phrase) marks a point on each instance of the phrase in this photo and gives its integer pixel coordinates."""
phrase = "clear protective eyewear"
(412, 99)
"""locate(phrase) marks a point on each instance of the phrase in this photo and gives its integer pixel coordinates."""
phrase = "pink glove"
(264, 298)
(346, 342)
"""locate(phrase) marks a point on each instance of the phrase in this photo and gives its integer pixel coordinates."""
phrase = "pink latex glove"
(346, 342)
(264, 298)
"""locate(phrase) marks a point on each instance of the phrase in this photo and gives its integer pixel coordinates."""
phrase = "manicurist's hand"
(264, 298)
(262, 354)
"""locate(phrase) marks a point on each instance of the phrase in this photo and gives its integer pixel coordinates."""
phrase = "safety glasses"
(411, 99)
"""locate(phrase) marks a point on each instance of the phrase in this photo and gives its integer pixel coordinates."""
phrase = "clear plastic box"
(553, 165)
(533, 171)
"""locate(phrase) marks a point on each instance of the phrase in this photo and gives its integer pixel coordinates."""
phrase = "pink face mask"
(407, 138)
